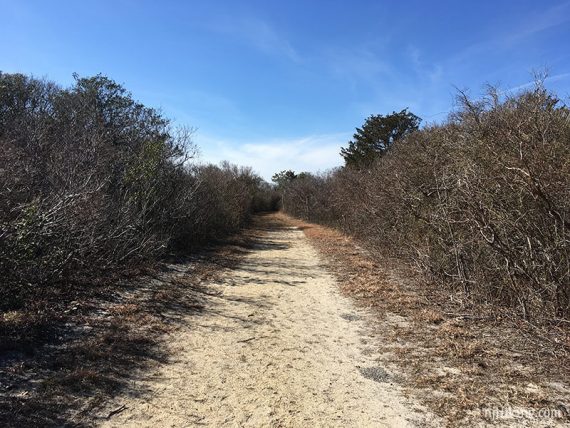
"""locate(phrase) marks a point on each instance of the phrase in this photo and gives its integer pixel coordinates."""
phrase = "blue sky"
(283, 84)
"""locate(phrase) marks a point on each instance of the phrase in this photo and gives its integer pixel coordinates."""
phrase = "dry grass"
(459, 358)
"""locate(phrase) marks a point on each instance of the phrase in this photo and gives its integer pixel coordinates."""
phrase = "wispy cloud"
(551, 79)
(356, 64)
(204, 101)
(427, 72)
(380, 84)
(311, 153)
(515, 34)
(257, 33)
(550, 18)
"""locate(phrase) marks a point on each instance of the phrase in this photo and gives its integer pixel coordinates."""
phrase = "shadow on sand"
(102, 339)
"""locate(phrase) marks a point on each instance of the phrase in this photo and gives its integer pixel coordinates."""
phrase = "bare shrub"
(91, 180)
(481, 202)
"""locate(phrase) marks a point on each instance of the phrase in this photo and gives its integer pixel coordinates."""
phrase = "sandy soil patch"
(278, 346)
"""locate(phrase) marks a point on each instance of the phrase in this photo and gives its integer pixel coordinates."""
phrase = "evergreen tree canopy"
(376, 136)
(284, 177)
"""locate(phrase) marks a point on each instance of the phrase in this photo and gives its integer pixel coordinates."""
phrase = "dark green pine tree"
(376, 136)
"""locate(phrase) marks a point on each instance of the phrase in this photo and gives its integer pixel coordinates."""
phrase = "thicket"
(91, 180)
(481, 202)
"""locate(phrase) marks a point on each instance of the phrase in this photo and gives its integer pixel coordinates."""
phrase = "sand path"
(278, 347)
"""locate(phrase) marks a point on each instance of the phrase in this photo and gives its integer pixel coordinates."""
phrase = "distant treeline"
(91, 180)
(481, 202)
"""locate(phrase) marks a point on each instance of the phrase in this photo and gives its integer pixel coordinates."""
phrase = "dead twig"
(466, 316)
(116, 411)
(250, 339)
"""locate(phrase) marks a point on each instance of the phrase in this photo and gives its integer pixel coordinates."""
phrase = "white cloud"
(312, 153)
(549, 18)
(432, 72)
(513, 35)
(257, 33)
(547, 79)
(357, 64)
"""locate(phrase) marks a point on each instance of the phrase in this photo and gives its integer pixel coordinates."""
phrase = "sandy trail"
(278, 347)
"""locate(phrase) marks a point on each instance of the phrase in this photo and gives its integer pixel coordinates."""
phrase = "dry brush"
(480, 202)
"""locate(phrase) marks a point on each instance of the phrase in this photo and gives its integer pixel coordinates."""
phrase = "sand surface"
(279, 346)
